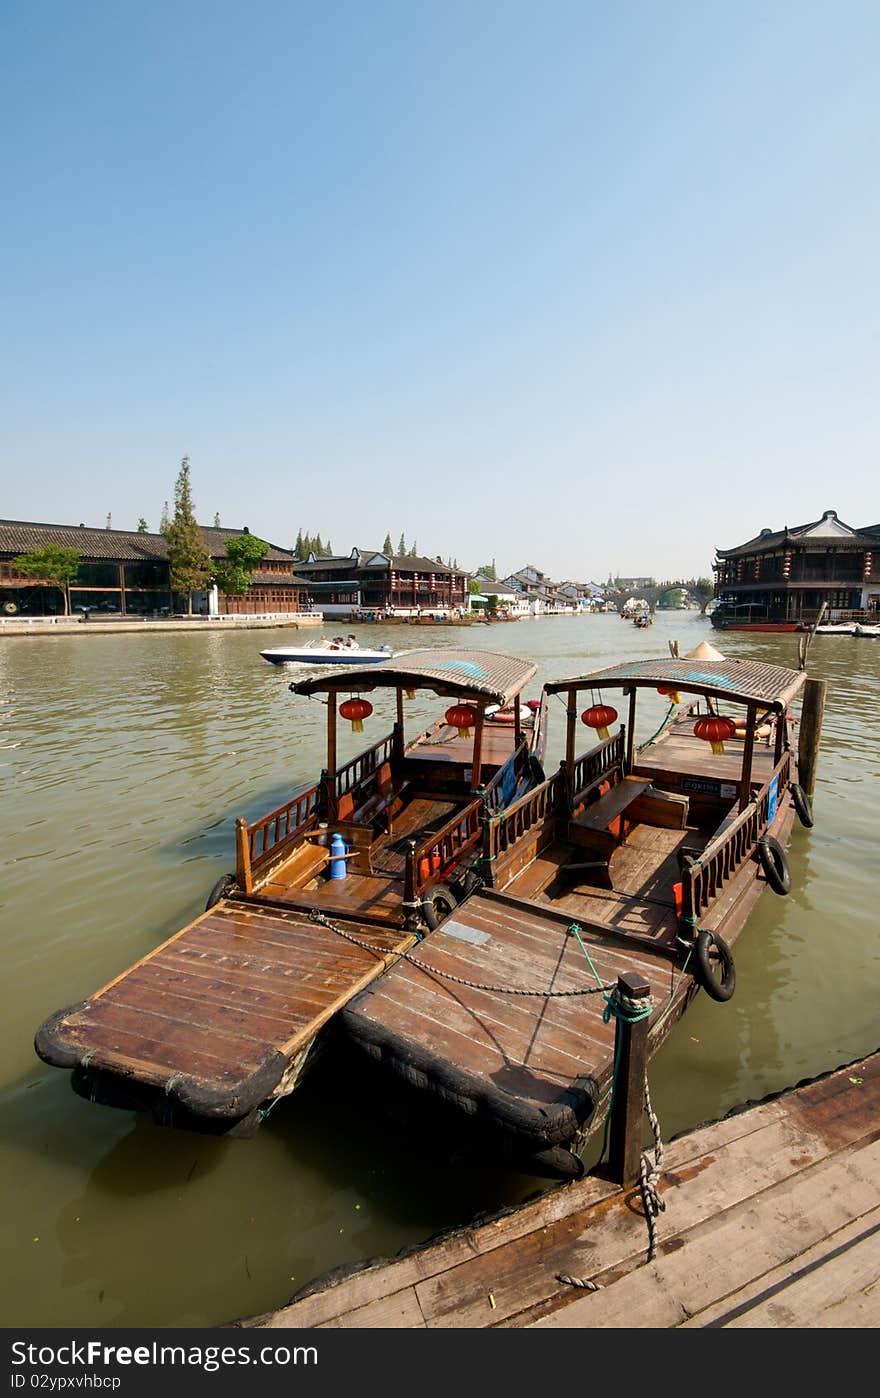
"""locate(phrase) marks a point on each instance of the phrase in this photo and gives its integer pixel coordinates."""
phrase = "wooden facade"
(368, 581)
(784, 580)
(124, 573)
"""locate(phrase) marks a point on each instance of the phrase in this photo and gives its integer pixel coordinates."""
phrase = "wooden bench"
(385, 803)
(590, 830)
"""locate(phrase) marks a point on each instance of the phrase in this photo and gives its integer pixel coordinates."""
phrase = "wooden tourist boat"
(213, 1027)
(642, 860)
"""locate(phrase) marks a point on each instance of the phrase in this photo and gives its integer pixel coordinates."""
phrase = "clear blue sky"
(592, 286)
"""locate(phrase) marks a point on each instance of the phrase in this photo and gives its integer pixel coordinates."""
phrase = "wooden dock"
(770, 1220)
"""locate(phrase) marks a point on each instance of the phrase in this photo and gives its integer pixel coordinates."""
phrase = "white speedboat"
(325, 652)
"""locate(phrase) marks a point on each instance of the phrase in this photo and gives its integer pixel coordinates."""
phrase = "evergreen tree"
(307, 545)
(142, 525)
(401, 546)
(163, 519)
(318, 546)
(328, 552)
(217, 524)
(414, 551)
(387, 547)
(189, 560)
(109, 524)
(298, 546)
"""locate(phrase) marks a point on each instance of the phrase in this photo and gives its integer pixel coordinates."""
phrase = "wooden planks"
(771, 1220)
(240, 984)
(460, 1008)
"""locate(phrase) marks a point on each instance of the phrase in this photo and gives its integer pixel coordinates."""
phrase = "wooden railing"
(357, 772)
(704, 877)
(260, 843)
(443, 850)
(533, 809)
(592, 766)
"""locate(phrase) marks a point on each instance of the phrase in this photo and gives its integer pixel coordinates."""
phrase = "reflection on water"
(124, 762)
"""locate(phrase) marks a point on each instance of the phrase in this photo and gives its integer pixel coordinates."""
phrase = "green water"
(124, 762)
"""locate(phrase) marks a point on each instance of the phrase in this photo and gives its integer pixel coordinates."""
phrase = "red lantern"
(714, 730)
(533, 704)
(672, 694)
(357, 710)
(599, 717)
(461, 716)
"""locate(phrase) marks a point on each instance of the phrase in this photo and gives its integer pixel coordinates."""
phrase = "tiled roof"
(741, 680)
(770, 539)
(464, 673)
(118, 545)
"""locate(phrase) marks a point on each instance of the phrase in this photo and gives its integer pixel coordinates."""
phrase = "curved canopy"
(479, 675)
(742, 681)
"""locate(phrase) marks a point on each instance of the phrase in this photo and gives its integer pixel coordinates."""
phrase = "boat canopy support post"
(331, 744)
(517, 721)
(477, 765)
(628, 1102)
(812, 711)
(571, 720)
(631, 731)
(745, 781)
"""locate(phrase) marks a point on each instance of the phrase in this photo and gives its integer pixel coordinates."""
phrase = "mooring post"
(812, 710)
(627, 1107)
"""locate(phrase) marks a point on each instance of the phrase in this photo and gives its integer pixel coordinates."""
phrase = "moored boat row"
(460, 917)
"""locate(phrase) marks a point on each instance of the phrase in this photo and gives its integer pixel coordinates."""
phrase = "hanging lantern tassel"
(462, 717)
(599, 716)
(671, 694)
(714, 730)
(410, 693)
(356, 710)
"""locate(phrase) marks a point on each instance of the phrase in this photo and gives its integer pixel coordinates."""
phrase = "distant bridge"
(652, 595)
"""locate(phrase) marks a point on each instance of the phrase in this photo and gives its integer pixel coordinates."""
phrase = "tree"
(328, 552)
(51, 564)
(704, 592)
(142, 525)
(298, 547)
(163, 519)
(487, 570)
(317, 546)
(387, 548)
(189, 560)
(217, 524)
(109, 524)
(244, 553)
(401, 547)
(414, 551)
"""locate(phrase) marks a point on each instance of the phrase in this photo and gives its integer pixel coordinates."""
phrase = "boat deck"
(538, 1064)
(642, 901)
(217, 1015)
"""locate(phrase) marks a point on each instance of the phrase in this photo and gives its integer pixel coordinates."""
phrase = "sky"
(585, 285)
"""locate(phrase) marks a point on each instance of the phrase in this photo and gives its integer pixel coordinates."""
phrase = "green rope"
(575, 929)
(667, 719)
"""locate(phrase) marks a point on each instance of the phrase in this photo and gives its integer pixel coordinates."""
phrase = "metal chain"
(319, 917)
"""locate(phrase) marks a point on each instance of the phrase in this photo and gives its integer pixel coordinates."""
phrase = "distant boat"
(325, 653)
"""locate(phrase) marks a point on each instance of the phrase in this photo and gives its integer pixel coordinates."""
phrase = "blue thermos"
(337, 864)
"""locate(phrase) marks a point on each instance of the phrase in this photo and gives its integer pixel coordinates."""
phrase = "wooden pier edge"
(771, 1219)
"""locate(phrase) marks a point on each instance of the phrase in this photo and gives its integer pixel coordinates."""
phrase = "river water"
(124, 762)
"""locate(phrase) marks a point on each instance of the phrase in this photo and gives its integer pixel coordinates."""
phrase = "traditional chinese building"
(124, 573)
(367, 581)
(780, 580)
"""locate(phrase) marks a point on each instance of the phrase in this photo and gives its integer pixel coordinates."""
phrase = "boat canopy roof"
(479, 675)
(742, 681)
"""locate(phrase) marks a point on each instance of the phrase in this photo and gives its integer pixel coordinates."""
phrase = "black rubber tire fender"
(437, 904)
(709, 943)
(771, 857)
(801, 802)
(221, 889)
